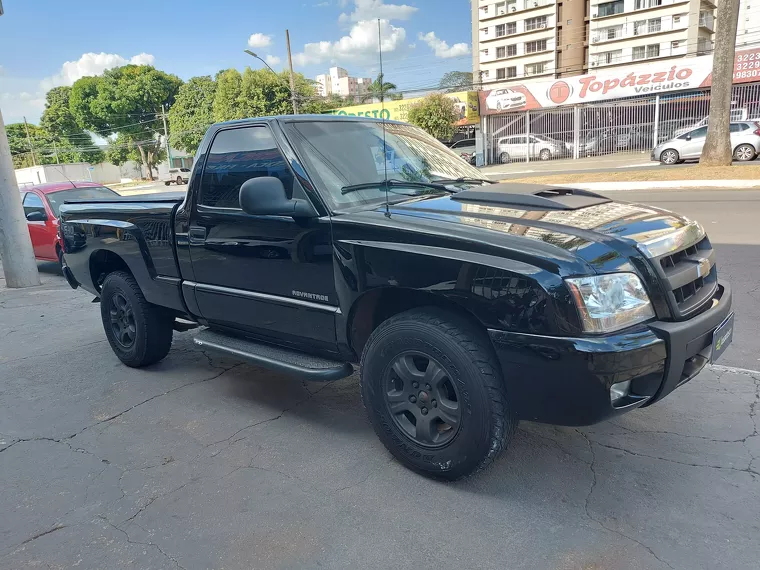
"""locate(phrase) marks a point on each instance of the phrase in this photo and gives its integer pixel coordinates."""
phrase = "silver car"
(536, 146)
(745, 141)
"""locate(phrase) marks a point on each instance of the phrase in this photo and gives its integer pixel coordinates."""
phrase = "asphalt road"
(199, 462)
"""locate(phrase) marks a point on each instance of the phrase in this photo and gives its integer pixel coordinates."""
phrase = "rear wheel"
(669, 156)
(139, 333)
(504, 158)
(432, 387)
(545, 154)
(179, 180)
(744, 152)
(168, 182)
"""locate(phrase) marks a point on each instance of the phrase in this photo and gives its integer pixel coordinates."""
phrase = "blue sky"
(44, 43)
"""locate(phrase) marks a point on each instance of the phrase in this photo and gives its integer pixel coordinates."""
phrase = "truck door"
(269, 276)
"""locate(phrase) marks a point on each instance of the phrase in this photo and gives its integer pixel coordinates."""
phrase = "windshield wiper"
(465, 179)
(394, 183)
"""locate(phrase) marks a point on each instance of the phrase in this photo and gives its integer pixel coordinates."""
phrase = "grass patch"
(695, 172)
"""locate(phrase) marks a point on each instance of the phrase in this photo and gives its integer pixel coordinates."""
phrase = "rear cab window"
(237, 155)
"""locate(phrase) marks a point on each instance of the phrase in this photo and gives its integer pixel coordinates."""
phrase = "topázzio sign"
(653, 77)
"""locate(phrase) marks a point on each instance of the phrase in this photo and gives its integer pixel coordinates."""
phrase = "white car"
(736, 115)
(503, 99)
(178, 175)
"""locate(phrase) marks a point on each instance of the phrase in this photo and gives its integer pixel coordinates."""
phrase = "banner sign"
(646, 78)
(466, 102)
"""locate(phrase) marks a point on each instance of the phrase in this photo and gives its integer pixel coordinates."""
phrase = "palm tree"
(379, 88)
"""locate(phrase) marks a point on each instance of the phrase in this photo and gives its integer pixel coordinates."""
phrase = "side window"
(237, 155)
(738, 127)
(699, 133)
(33, 203)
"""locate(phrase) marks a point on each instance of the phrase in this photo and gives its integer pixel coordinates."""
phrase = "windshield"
(57, 199)
(341, 154)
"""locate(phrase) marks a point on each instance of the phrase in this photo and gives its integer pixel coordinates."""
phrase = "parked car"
(745, 142)
(503, 99)
(519, 147)
(634, 137)
(466, 149)
(178, 175)
(42, 204)
(736, 115)
(470, 305)
(598, 141)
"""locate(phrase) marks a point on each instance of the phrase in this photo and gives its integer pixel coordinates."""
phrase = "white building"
(338, 82)
(518, 39)
(748, 31)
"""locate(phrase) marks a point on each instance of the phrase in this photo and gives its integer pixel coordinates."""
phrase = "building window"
(501, 30)
(511, 50)
(501, 52)
(511, 28)
(485, 9)
(643, 4)
(654, 25)
(533, 47)
(610, 57)
(639, 27)
(676, 19)
(535, 23)
(653, 50)
(674, 45)
(501, 73)
(611, 8)
(645, 52)
(485, 73)
(535, 68)
(484, 31)
(501, 8)
(512, 71)
(639, 52)
(485, 52)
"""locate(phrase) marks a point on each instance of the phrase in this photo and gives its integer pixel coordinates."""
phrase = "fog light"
(619, 390)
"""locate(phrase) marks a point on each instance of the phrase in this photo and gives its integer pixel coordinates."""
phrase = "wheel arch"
(104, 261)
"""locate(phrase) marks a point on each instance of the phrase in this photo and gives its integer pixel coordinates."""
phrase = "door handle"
(196, 235)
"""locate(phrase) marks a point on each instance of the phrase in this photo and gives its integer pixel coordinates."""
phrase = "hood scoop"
(532, 197)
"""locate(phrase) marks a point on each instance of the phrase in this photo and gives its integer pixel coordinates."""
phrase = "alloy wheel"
(744, 153)
(669, 157)
(422, 399)
(122, 321)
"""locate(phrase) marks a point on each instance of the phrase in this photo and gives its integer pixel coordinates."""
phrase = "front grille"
(691, 275)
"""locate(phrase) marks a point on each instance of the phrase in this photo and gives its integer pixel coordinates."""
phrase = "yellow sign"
(466, 102)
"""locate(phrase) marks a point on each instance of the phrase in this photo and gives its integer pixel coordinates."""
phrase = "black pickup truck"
(308, 244)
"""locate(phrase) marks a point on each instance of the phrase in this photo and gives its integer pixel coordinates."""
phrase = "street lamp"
(292, 91)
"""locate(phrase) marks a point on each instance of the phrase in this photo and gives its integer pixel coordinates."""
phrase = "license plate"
(722, 337)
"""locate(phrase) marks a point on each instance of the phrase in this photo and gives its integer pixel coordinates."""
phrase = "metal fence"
(633, 125)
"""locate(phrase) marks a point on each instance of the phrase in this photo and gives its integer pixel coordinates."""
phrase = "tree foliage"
(456, 81)
(436, 114)
(71, 142)
(380, 89)
(192, 113)
(126, 101)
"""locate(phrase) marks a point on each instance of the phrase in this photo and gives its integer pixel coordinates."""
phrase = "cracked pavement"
(200, 462)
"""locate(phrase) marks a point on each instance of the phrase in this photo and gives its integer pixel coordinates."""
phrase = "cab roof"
(51, 187)
(306, 118)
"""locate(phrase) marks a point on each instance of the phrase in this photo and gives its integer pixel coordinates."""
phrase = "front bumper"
(566, 381)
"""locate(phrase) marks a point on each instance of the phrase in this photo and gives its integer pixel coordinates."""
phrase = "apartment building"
(338, 82)
(522, 39)
(748, 31)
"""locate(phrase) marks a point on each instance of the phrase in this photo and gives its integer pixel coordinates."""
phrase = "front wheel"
(744, 152)
(669, 156)
(139, 333)
(435, 396)
(545, 154)
(504, 158)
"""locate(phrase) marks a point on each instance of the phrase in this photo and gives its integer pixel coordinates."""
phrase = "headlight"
(611, 302)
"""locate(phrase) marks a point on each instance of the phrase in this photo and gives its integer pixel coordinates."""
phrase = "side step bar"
(292, 362)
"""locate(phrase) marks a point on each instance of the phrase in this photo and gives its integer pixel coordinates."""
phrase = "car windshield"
(342, 154)
(57, 199)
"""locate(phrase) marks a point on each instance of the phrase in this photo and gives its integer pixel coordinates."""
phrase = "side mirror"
(265, 196)
(688, 137)
(36, 216)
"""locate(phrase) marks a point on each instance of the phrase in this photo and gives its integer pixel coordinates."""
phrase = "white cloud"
(273, 60)
(92, 64)
(441, 48)
(322, 5)
(359, 45)
(17, 105)
(377, 9)
(259, 41)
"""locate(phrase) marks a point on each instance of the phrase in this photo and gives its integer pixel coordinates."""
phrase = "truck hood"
(604, 235)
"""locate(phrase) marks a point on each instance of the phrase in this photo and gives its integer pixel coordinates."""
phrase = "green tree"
(126, 101)
(436, 114)
(456, 81)
(123, 149)
(380, 89)
(192, 113)
(71, 142)
(19, 144)
(227, 95)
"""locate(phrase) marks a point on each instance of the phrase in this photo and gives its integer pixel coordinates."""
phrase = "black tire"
(744, 153)
(59, 254)
(669, 156)
(179, 181)
(149, 328)
(167, 182)
(467, 371)
(473, 161)
(504, 158)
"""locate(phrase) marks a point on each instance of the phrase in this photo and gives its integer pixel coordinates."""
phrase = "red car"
(42, 204)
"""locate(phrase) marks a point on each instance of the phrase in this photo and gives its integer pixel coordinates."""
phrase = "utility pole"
(292, 77)
(166, 135)
(29, 142)
(19, 265)
(717, 150)
(55, 150)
